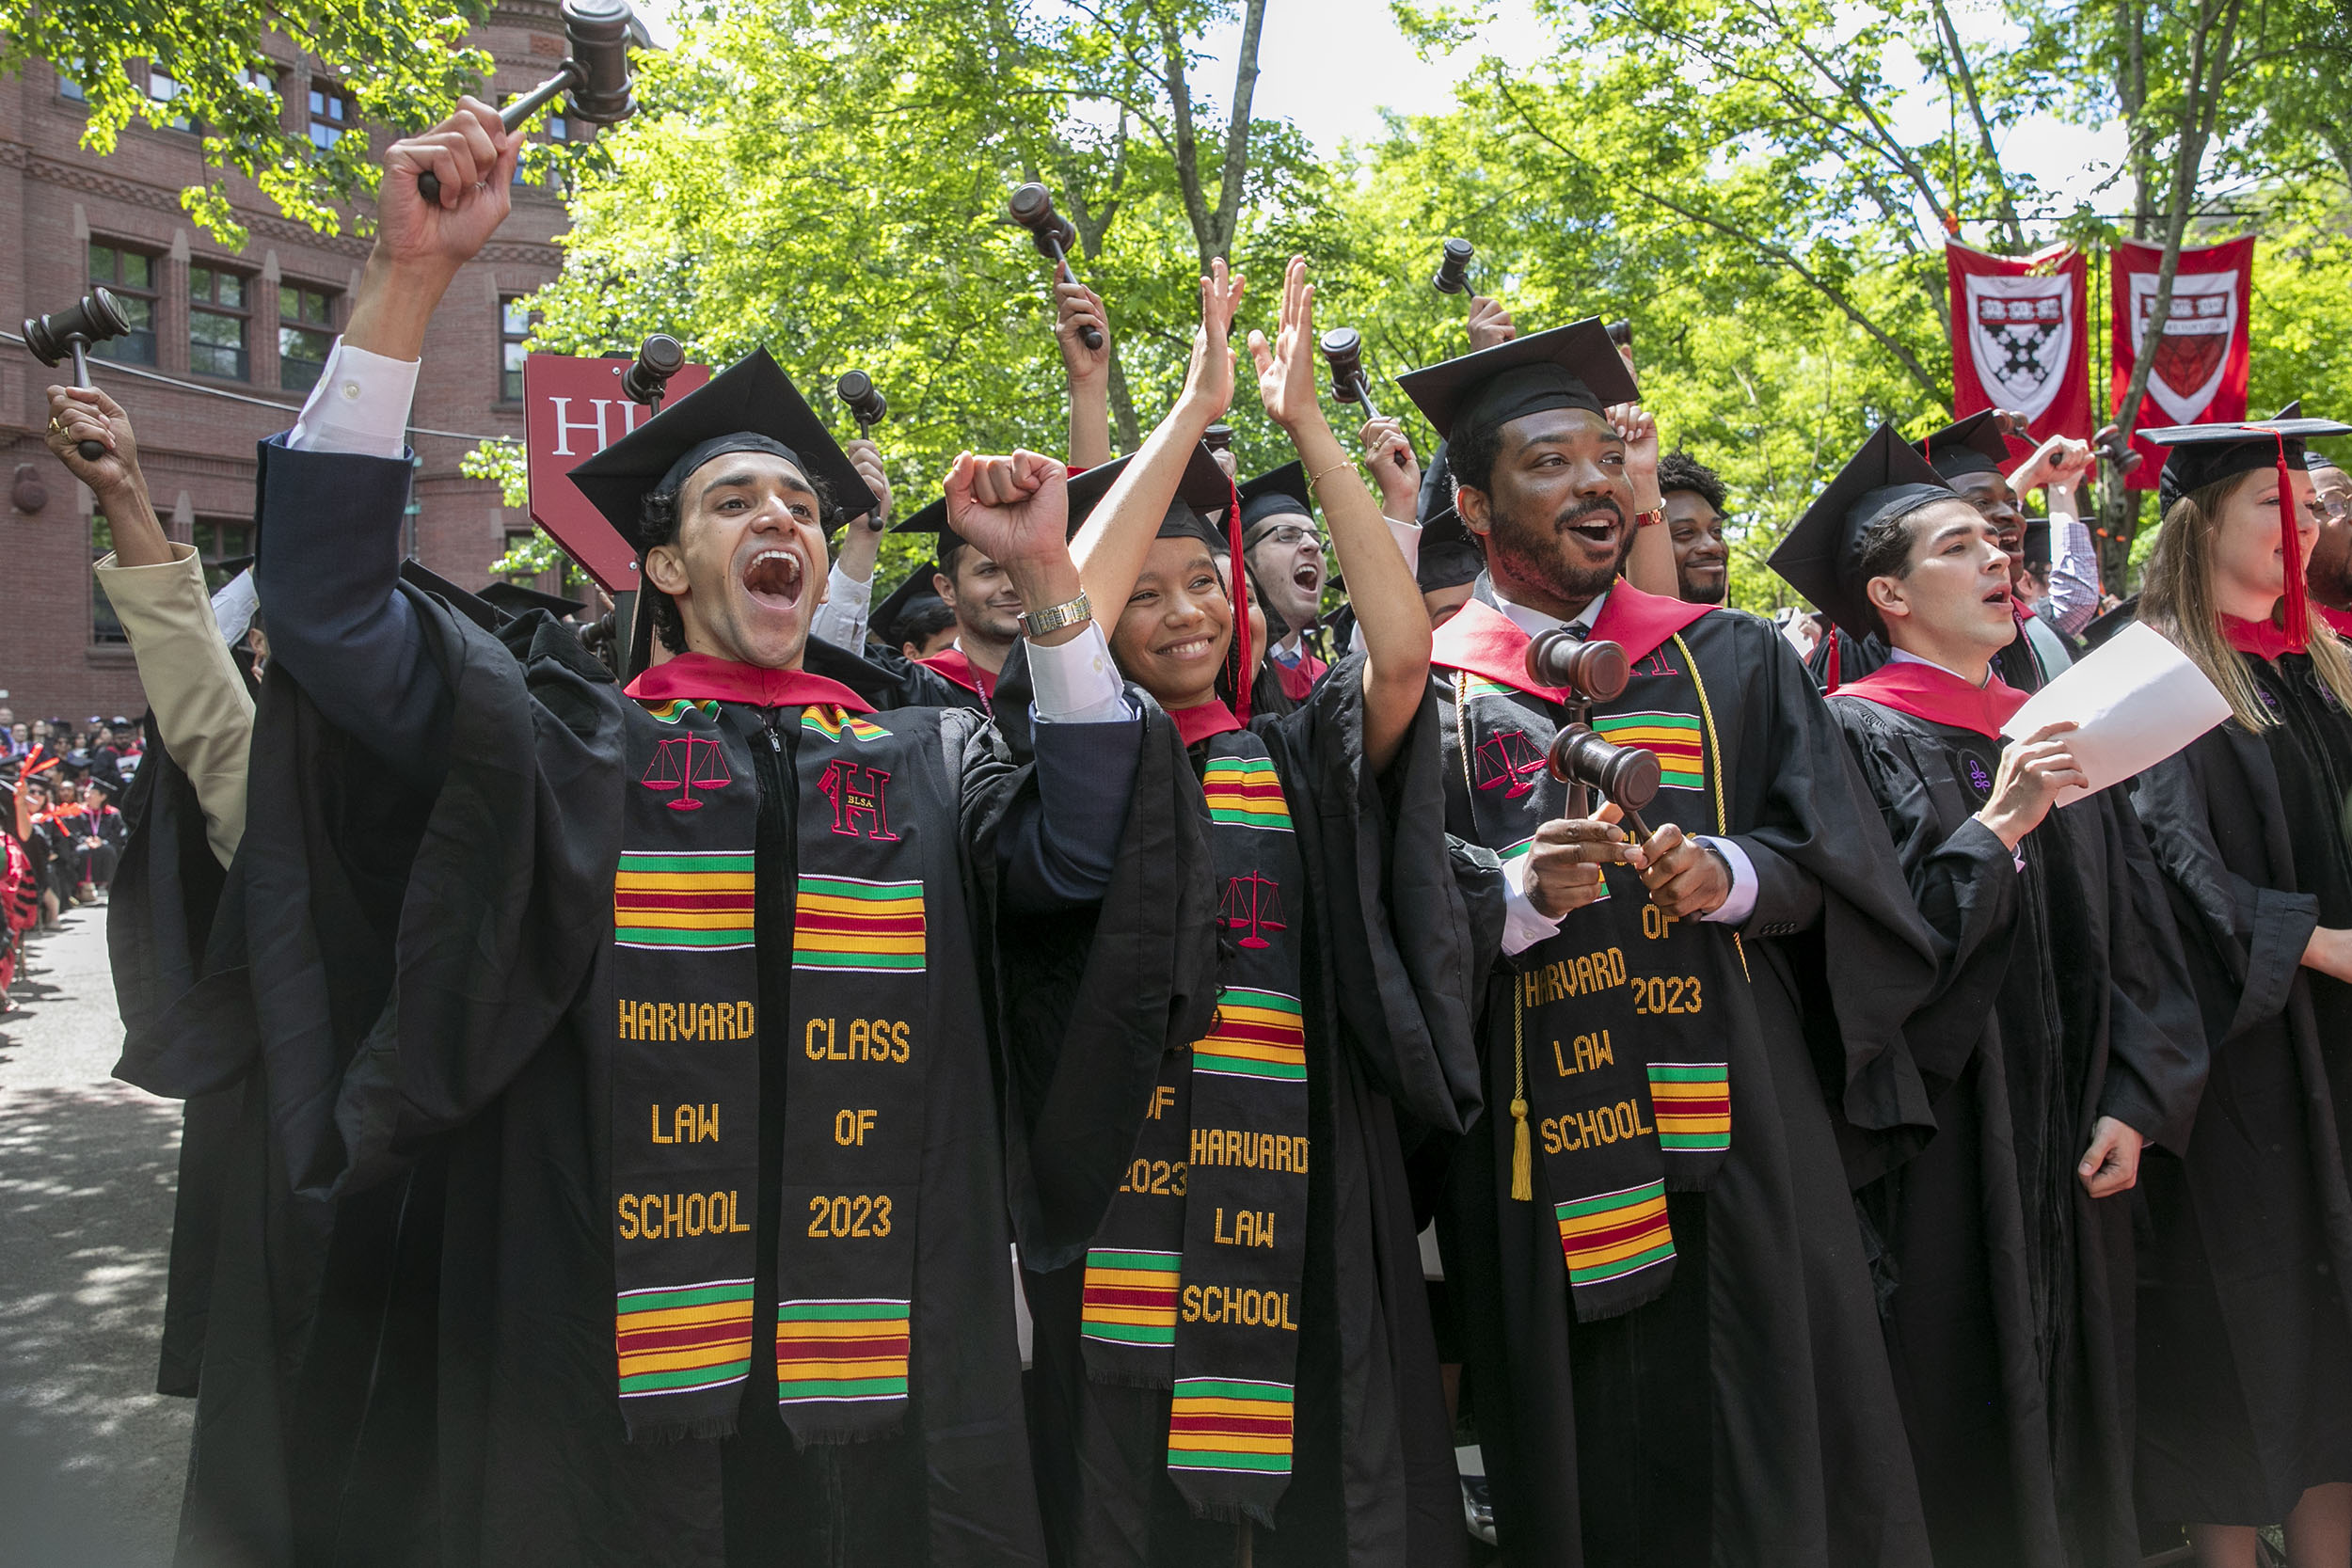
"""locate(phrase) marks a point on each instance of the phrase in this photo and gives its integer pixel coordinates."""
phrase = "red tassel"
(1830, 667)
(2298, 624)
(1241, 605)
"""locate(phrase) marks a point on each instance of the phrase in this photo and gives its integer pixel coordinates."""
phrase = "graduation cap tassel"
(2298, 616)
(1523, 1154)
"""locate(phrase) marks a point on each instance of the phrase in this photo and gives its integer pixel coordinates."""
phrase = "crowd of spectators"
(61, 785)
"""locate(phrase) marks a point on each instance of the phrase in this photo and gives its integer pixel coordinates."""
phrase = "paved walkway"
(91, 1455)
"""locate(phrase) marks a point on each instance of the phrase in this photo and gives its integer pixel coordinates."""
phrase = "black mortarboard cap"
(930, 519)
(1204, 491)
(2203, 454)
(1574, 366)
(232, 564)
(1821, 556)
(1277, 493)
(1448, 556)
(750, 406)
(907, 598)
(515, 599)
(1971, 446)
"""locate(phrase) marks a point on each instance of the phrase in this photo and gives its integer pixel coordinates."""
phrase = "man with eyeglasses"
(2329, 572)
(1283, 549)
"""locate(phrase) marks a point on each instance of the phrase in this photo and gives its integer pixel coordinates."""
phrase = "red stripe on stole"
(860, 925)
(625, 898)
(1236, 1426)
(841, 1350)
(637, 1340)
(1592, 1240)
(1675, 1106)
(1130, 1295)
(1259, 1034)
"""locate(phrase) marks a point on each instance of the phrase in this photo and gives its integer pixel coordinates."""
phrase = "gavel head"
(1629, 775)
(1344, 350)
(660, 359)
(97, 318)
(1454, 268)
(1595, 671)
(1218, 437)
(597, 34)
(1031, 206)
(867, 405)
(1621, 333)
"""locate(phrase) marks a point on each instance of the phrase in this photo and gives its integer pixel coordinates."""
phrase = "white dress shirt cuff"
(1523, 925)
(1734, 908)
(359, 406)
(841, 620)
(1076, 683)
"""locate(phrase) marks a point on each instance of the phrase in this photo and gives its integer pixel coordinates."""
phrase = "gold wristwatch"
(1054, 617)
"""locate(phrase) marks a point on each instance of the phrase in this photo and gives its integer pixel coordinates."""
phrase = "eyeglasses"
(2331, 510)
(1289, 534)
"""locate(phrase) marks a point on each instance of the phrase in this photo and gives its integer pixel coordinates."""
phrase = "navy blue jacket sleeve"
(327, 572)
(1058, 844)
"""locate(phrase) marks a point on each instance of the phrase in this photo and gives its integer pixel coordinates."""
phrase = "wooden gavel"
(597, 75)
(867, 406)
(1579, 757)
(1031, 206)
(658, 358)
(70, 332)
(1344, 350)
(1454, 268)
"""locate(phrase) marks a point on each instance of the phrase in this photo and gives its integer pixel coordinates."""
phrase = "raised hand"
(1394, 468)
(867, 459)
(472, 155)
(2027, 784)
(1639, 432)
(1016, 510)
(1489, 324)
(1076, 308)
(1209, 379)
(78, 414)
(2058, 463)
(1286, 369)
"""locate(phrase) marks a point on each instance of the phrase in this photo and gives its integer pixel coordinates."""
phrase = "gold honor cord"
(1522, 1152)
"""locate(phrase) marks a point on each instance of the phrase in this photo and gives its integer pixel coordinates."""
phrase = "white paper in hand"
(2138, 701)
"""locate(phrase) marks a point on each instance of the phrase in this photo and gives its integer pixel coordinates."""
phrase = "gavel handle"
(91, 451)
(1086, 334)
(429, 185)
(1364, 395)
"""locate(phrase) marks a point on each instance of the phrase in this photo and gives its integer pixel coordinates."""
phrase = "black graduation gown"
(1390, 946)
(2246, 1349)
(408, 1356)
(1747, 1415)
(2008, 1307)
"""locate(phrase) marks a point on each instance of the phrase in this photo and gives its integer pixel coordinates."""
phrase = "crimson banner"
(2021, 337)
(2201, 358)
(572, 411)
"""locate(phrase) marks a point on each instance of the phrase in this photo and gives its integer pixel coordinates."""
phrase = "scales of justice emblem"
(1253, 905)
(686, 762)
(1506, 760)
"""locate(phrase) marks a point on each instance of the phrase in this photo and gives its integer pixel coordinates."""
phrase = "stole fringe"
(842, 1438)
(1232, 1513)
(1119, 1377)
(684, 1432)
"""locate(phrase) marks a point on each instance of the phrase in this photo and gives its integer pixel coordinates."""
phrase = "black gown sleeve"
(2156, 1053)
(1409, 962)
(2259, 933)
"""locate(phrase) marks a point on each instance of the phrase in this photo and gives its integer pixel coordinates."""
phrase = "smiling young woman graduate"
(617, 1176)
(1234, 1353)
(2246, 1345)
(1672, 1351)
(2007, 1242)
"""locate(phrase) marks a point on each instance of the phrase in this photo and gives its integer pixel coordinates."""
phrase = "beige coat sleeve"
(200, 698)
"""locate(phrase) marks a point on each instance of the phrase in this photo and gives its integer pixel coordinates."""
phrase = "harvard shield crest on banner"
(2202, 354)
(2020, 339)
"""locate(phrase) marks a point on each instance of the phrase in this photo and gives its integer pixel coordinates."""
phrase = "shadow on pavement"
(91, 1455)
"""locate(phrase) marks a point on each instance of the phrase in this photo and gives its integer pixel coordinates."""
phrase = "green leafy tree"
(401, 62)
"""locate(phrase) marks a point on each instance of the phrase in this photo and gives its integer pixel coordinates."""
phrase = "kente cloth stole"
(1192, 1283)
(1619, 1073)
(685, 1108)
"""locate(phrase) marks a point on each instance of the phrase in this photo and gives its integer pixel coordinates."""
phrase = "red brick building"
(254, 324)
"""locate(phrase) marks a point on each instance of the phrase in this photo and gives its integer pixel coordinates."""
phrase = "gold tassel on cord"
(1522, 1156)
